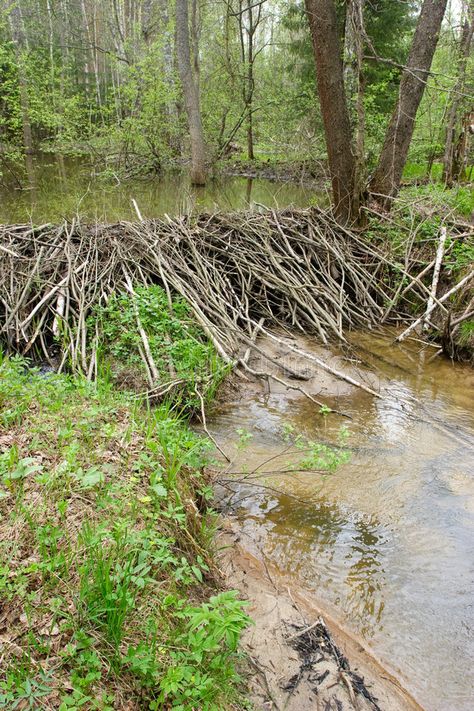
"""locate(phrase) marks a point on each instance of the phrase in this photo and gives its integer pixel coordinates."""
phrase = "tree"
(20, 42)
(452, 162)
(327, 49)
(191, 94)
(249, 15)
(388, 173)
(343, 165)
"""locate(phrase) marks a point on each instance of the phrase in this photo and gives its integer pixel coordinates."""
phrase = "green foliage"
(208, 638)
(459, 199)
(115, 555)
(318, 456)
(466, 332)
(180, 349)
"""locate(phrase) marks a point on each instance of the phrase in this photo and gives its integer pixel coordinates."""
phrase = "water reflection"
(387, 541)
(59, 188)
(328, 545)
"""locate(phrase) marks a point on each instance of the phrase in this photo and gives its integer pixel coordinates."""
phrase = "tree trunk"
(337, 127)
(20, 42)
(250, 80)
(354, 84)
(388, 174)
(449, 167)
(191, 94)
(461, 148)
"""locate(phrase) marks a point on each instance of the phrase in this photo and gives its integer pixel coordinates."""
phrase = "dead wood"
(243, 274)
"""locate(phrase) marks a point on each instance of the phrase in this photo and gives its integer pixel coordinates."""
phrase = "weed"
(179, 348)
(98, 526)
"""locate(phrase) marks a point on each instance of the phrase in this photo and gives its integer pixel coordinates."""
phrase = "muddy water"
(60, 189)
(387, 541)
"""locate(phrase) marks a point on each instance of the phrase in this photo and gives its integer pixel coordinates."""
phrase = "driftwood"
(436, 272)
(431, 308)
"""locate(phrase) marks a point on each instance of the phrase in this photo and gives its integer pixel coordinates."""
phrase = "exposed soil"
(299, 658)
(294, 375)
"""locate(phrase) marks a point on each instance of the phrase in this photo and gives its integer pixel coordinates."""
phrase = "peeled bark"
(385, 183)
(337, 127)
(191, 94)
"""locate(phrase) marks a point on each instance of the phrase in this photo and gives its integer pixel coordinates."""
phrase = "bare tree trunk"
(191, 94)
(461, 148)
(337, 127)
(388, 174)
(249, 15)
(250, 80)
(354, 83)
(449, 167)
(20, 42)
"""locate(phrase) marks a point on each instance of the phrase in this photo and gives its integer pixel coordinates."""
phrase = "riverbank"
(299, 658)
(111, 597)
(108, 566)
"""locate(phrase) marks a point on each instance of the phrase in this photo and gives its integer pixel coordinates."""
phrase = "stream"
(386, 542)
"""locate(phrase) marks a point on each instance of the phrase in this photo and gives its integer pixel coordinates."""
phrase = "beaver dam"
(243, 274)
(292, 301)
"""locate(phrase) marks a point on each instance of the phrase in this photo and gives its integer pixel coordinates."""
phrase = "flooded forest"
(236, 355)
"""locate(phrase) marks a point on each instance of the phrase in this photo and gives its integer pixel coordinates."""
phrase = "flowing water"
(387, 541)
(59, 189)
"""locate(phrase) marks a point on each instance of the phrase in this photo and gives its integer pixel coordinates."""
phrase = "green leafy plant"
(180, 350)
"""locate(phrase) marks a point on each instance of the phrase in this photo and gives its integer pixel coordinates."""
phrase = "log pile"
(242, 273)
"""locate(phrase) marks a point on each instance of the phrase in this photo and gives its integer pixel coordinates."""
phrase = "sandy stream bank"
(297, 664)
(331, 673)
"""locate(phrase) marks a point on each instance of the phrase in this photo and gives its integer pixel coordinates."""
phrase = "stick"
(444, 298)
(253, 338)
(204, 424)
(137, 209)
(436, 271)
(324, 366)
(9, 251)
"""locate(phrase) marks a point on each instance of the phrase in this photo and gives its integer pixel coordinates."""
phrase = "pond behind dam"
(59, 189)
(386, 542)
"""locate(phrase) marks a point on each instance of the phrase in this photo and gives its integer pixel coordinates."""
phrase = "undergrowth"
(182, 353)
(457, 200)
(107, 577)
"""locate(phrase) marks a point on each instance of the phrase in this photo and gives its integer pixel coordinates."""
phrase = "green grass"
(107, 573)
(417, 171)
(457, 200)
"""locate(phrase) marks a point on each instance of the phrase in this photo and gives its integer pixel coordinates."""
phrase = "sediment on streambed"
(298, 657)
